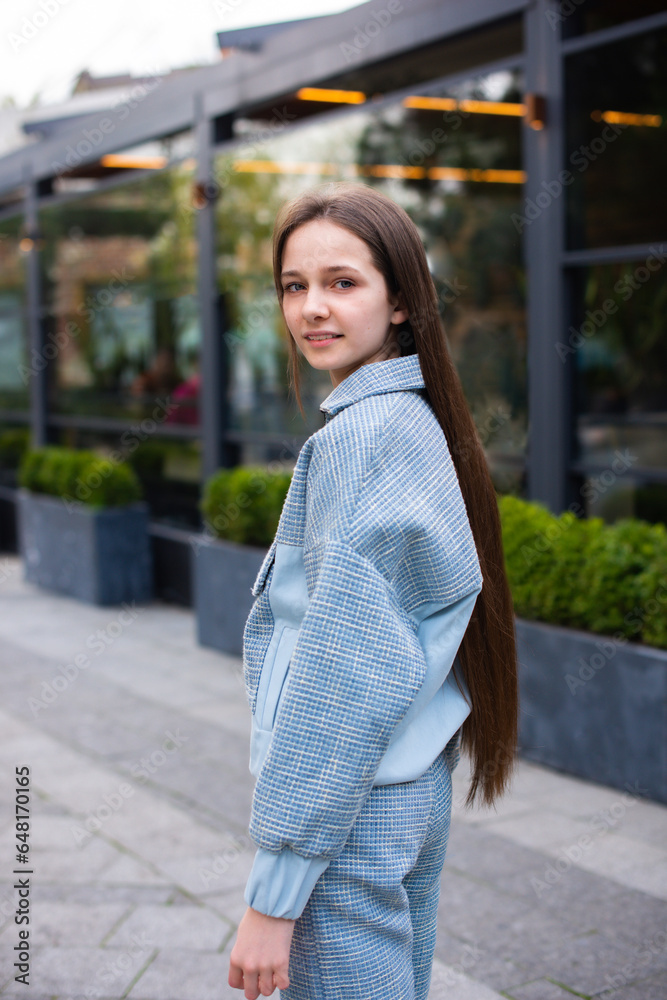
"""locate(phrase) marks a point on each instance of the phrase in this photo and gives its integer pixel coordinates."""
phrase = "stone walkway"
(137, 744)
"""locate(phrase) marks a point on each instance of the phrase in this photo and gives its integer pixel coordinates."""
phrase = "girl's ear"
(399, 315)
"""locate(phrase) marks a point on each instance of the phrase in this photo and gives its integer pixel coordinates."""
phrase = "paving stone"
(65, 924)
(227, 868)
(449, 983)
(178, 974)
(80, 970)
(190, 927)
(539, 989)
(654, 988)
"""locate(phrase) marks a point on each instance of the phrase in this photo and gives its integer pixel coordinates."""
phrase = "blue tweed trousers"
(369, 927)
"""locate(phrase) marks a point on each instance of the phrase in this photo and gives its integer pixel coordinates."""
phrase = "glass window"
(618, 348)
(452, 160)
(579, 17)
(14, 362)
(616, 126)
(119, 272)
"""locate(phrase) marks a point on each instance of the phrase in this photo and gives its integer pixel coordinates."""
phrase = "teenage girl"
(381, 639)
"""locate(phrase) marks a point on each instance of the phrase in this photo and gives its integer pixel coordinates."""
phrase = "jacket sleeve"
(357, 663)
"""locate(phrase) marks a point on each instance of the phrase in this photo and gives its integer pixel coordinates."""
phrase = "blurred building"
(525, 139)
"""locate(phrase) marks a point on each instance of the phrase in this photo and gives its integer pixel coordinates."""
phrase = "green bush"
(243, 504)
(148, 460)
(79, 476)
(583, 573)
(13, 445)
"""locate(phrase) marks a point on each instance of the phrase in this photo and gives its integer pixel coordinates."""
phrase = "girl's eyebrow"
(326, 270)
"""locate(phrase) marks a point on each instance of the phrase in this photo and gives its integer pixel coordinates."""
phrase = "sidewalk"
(137, 743)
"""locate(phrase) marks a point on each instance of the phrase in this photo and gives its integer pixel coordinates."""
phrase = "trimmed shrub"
(583, 573)
(243, 505)
(13, 445)
(79, 476)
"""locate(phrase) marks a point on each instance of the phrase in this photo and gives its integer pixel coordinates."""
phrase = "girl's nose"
(315, 305)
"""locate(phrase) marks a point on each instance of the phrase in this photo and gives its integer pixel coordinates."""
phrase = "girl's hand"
(259, 960)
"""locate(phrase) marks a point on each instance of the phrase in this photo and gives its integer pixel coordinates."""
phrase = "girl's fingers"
(281, 979)
(235, 977)
(266, 985)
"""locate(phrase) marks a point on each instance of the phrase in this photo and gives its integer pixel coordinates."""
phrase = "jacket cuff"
(280, 882)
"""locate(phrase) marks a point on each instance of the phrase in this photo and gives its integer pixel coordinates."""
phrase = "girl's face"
(332, 289)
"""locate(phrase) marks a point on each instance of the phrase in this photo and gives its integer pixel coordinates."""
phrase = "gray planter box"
(594, 707)
(223, 574)
(98, 555)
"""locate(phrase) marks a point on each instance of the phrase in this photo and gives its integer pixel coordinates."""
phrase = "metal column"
(211, 358)
(38, 362)
(548, 375)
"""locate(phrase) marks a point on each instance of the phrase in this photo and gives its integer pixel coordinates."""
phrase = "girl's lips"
(323, 338)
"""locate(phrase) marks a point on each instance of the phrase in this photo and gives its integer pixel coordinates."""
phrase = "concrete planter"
(223, 574)
(98, 555)
(594, 707)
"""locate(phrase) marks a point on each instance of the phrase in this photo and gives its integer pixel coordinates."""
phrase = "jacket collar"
(393, 375)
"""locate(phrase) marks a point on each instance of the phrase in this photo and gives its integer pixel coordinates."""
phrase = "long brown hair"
(487, 653)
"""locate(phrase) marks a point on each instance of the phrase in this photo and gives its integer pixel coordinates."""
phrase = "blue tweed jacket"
(360, 606)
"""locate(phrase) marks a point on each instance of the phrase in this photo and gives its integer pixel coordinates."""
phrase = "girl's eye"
(291, 285)
(348, 283)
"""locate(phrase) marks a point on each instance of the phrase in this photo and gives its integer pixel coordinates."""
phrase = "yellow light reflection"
(480, 176)
(468, 107)
(431, 103)
(271, 167)
(493, 108)
(335, 96)
(393, 170)
(626, 118)
(134, 162)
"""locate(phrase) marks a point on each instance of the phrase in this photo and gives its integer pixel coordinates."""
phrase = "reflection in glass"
(14, 366)
(579, 18)
(616, 147)
(619, 351)
(119, 272)
(454, 165)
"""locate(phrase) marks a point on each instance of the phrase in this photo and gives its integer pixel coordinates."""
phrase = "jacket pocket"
(273, 679)
(264, 570)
